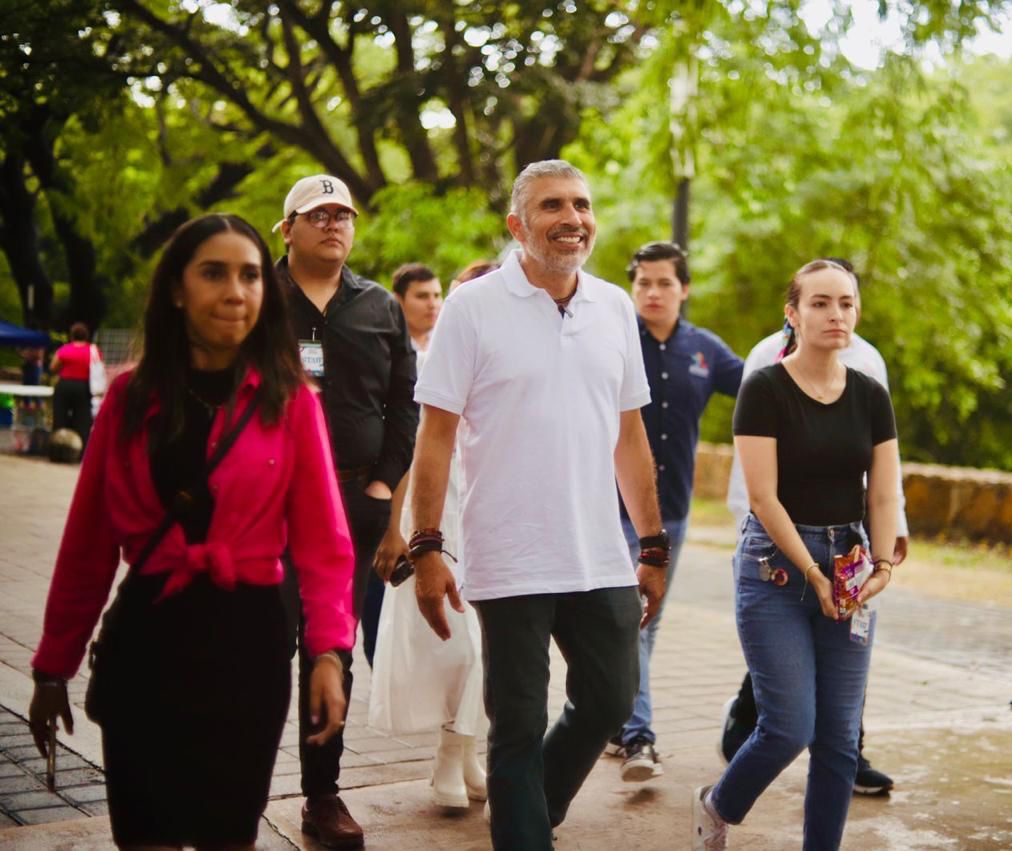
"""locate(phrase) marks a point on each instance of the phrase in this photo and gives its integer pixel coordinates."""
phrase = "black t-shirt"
(823, 451)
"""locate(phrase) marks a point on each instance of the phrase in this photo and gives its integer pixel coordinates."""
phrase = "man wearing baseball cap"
(354, 344)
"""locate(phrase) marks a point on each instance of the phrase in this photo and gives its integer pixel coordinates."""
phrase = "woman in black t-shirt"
(808, 430)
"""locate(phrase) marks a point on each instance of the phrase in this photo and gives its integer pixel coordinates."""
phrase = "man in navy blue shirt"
(685, 366)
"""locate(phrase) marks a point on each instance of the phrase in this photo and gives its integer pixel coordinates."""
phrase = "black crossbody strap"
(229, 439)
(224, 445)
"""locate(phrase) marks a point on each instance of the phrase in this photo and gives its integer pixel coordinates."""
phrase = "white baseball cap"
(315, 191)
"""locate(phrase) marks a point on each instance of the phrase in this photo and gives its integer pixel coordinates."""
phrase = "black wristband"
(42, 678)
(658, 541)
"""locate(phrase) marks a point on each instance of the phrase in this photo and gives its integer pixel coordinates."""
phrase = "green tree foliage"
(97, 168)
(151, 111)
(50, 73)
(894, 169)
(443, 93)
(412, 223)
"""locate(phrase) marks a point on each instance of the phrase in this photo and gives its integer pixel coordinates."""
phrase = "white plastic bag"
(420, 681)
(97, 381)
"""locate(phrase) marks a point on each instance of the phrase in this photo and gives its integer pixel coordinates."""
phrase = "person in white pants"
(419, 681)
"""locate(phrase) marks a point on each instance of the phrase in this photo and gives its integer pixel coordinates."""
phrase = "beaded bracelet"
(654, 556)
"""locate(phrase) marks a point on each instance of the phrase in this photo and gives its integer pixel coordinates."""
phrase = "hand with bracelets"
(326, 697)
(652, 572)
(881, 575)
(434, 581)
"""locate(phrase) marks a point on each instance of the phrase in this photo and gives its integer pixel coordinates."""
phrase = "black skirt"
(202, 684)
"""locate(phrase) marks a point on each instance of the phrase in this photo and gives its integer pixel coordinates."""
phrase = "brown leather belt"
(353, 474)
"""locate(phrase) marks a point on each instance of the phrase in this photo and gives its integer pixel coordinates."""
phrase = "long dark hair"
(270, 347)
(794, 291)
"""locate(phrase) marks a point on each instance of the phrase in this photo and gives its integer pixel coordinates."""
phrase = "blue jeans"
(638, 725)
(533, 777)
(809, 680)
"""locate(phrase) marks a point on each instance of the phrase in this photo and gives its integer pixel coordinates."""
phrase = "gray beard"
(560, 265)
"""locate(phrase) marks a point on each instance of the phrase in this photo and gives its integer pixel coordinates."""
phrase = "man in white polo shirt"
(540, 365)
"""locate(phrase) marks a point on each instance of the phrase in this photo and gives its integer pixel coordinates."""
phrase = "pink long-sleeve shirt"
(274, 488)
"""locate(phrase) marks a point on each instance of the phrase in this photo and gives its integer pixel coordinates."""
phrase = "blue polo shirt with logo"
(683, 372)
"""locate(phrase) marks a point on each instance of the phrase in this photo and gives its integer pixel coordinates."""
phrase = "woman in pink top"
(72, 396)
(198, 665)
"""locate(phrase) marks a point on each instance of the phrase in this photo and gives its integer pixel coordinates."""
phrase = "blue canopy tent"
(15, 335)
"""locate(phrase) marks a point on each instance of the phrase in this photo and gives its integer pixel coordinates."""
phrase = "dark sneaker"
(641, 762)
(869, 781)
(615, 746)
(732, 734)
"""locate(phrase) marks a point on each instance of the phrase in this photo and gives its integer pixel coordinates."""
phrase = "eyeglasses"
(322, 218)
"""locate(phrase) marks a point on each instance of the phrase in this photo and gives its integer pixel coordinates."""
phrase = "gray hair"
(535, 171)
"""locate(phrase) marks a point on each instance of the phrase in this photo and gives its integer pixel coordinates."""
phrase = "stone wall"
(955, 502)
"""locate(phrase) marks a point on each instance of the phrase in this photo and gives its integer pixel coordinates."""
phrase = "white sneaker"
(641, 762)
(709, 832)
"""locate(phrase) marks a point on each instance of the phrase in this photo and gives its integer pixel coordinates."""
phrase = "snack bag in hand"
(850, 571)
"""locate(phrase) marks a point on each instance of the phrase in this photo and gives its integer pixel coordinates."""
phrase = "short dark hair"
(409, 274)
(270, 347)
(79, 331)
(661, 251)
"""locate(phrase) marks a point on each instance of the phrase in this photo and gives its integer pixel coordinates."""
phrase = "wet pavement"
(938, 720)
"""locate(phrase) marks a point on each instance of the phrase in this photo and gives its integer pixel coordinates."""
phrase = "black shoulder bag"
(103, 650)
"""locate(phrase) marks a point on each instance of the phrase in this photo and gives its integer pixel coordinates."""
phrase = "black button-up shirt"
(368, 379)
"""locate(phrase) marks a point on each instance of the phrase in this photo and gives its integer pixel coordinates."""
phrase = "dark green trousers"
(533, 777)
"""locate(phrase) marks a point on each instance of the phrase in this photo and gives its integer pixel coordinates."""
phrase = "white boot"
(448, 789)
(474, 772)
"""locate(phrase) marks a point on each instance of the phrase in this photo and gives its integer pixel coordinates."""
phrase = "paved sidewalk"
(937, 719)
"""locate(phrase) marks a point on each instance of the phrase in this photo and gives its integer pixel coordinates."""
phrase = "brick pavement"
(920, 689)
(24, 798)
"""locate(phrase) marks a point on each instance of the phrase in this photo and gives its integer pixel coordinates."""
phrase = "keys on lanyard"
(776, 575)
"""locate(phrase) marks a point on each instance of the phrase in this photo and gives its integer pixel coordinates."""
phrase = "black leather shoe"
(327, 820)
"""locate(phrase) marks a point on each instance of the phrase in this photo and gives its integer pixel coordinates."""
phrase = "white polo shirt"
(539, 396)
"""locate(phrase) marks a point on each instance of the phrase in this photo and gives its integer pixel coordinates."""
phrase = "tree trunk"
(19, 238)
(87, 303)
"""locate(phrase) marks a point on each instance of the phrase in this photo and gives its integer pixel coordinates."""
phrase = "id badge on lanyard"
(311, 354)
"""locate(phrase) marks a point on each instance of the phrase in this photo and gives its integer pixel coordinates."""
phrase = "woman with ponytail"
(808, 430)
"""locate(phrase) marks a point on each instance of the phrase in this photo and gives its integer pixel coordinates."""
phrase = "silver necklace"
(820, 396)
